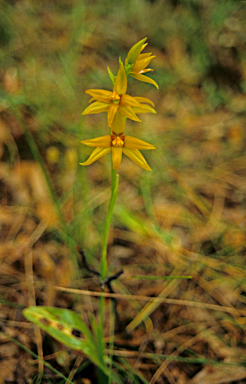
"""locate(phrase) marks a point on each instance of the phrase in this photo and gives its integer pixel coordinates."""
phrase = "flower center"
(114, 97)
(117, 141)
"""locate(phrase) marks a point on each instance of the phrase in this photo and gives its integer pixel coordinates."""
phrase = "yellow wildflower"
(140, 61)
(118, 143)
(116, 100)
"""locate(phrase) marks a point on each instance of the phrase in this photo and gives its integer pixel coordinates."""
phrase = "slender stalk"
(104, 264)
(114, 192)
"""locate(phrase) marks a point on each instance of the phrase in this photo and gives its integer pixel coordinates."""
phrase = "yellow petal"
(141, 64)
(116, 156)
(136, 157)
(102, 142)
(96, 107)
(134, 143)
(111, 113)
(144, 109)
(118, 124)
(145, 79)
(144, 56)
(144, 100)
(130, 101)
(128, 112)
(120, 85)
(99, 94)
(96, 154)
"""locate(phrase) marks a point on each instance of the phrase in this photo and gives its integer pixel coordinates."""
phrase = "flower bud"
(135, 51)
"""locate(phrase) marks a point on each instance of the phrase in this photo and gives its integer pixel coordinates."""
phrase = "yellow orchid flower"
(140, 61)
(118, 143)
(140, 67)
(116, 100)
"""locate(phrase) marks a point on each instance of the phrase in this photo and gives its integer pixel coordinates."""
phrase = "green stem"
(104, 264)
(114, 192)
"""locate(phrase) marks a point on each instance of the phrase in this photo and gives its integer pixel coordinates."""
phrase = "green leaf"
(63, 324)
(111, 75)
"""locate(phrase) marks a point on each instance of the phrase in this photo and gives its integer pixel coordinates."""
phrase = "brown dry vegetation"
(186, 218)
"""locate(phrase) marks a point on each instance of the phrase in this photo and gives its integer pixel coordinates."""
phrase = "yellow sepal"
(96, 107)
(118, 124)
(96, 154)
(102, 141)
(136, 157)
(120, 85)
(143, 78)
(116, 157)
(134, 143)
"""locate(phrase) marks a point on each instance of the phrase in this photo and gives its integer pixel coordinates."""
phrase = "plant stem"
(114, 192)
(104, 264)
